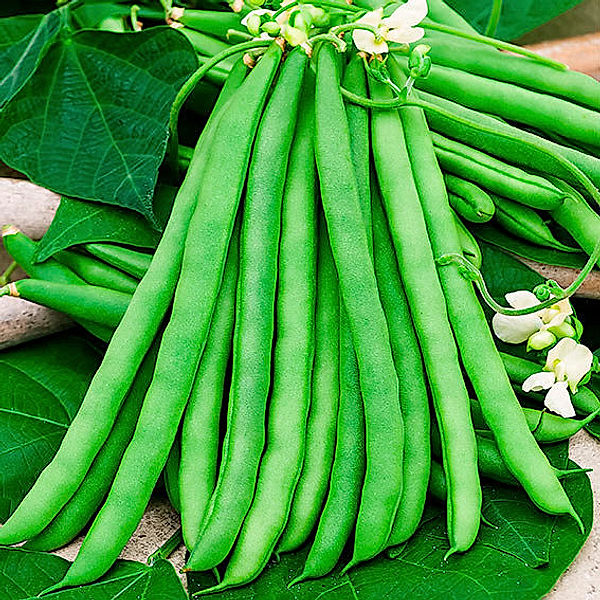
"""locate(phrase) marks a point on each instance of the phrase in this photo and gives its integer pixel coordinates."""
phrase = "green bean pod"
(513, 103)
(201, 423)
(475, 58)
(254, 323)
(358, 286)
(108, 306)
(96, 272)
(547, 428)
(411, 376)
(523, 222)
(321, 425)
(207, 45)
(202, 269)
(578, 218)
(293, 359)
(77, 512)
(131, 340)
(430, 317)
(518, 369)
(468, 244)
(440, 12)
(341, 506)
(215, 23)
(22, 249)
(496, 176)
(478, 351)
(469, 200)
(511, 143)
(132, 262)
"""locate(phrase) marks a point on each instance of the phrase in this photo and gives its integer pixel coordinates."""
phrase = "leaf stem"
(492, 24)
(167, 548)
(5, 277)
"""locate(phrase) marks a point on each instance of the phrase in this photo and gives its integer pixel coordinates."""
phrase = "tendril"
(551, 290)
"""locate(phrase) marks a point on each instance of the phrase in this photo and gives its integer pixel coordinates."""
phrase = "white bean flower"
(399, 27)
(566, 365)
(540, 329)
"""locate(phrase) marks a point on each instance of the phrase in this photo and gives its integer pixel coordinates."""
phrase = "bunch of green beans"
(297, 348)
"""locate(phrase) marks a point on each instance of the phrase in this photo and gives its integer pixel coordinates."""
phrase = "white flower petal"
(407, 35)
(411, 13)
(560, 352)
(558, 400)
(538, 382)
(556, 321)
(365, 41)
(515, 330)
(374, 17)
(522, 299)
(577, 365)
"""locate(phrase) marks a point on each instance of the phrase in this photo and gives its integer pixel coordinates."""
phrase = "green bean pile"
(300, 351)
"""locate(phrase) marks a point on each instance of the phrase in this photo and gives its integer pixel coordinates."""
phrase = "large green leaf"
(92, 121)
(80, 222)
(23, 42)
(25, 574)
(517, 17)
(43, 383)
(524, 537)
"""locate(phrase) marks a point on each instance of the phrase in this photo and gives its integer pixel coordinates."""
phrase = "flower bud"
(319, 17)
(271, 27)
(564, 330)
(541, 340)
(253, 24)
(293, 36)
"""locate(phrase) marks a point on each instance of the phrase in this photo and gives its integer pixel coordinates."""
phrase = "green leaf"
(43, 383)
(92, 122)
(130, 581)
(509, 243)
(517, 17)
(524, 535)
(24, 574)
(23, 42)
(80, 222)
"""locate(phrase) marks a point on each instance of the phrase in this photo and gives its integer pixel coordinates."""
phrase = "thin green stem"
(328, 37)
(5, 277)
(167, 548)
(352, 26)
(427, 24)
(494, 19)
(474, 274)
(340, 6)
(194, 79)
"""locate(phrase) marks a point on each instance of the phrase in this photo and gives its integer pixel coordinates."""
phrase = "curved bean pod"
(133, 262)
(469, 200)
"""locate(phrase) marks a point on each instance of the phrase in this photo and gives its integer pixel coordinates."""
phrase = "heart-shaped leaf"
(92, 121)
(43, 383)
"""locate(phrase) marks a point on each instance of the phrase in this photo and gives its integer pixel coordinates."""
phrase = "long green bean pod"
(469, 200)
(514, 103)
(107, 306)
(499, 177)
(201, 423)
(133, 262)
(202, 269)
(254, 324)
(22, 249)
(358, 286)
(479, 354)
(430, 316)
